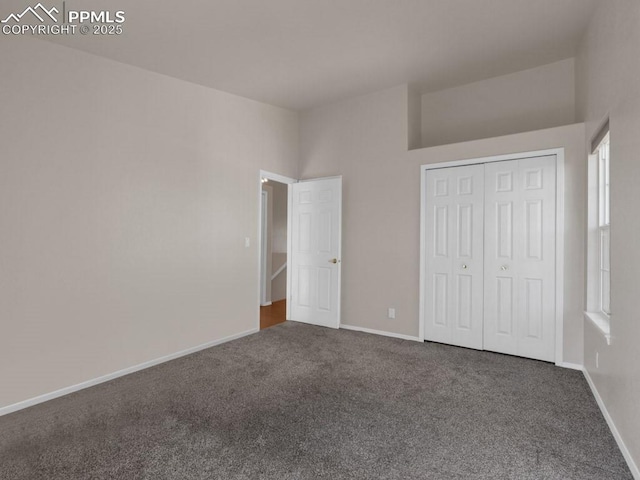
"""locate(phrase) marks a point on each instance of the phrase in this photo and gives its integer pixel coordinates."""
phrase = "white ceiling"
(303, 53)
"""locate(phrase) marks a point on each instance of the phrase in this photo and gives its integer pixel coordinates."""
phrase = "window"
(599, 234)
(604, 226)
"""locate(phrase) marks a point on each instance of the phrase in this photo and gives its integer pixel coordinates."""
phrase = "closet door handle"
(504, 267)
(464, 267)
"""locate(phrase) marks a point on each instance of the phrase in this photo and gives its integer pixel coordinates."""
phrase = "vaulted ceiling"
(303, 53)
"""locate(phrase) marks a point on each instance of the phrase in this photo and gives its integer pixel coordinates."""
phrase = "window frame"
(598, 301)
(604, 226)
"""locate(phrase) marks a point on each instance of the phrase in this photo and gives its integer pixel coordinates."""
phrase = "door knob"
(464, 267)
(504, 267)
(333, 260)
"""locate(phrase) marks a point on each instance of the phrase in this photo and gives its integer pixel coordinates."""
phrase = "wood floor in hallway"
(273, 314)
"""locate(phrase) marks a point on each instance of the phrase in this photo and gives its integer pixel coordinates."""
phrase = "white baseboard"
(571, 366)
(120, 373)
(623, 448)
(380, 332)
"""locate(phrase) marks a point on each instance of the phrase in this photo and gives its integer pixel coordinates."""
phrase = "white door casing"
(454, 256)
(261, 255)
(264, 231)
(520, 268)
(523, 227)
(315, 262)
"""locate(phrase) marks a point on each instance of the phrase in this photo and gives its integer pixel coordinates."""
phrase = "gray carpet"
(303, 402)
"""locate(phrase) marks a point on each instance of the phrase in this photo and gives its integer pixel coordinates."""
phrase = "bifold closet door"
(454, 250)
(519, 261)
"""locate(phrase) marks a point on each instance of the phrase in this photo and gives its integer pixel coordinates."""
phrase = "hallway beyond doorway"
(273, 314)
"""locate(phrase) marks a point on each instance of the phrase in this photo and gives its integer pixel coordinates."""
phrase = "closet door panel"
(468, 257)
(500, 281)
(454, 247)
(537, 282)
(439, 256)
(519, 276)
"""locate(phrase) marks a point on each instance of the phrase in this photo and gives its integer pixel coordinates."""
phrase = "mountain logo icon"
(39, 11)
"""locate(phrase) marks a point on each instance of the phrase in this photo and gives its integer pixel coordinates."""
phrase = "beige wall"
(414, 119)
(279, 284)
(125, 198)
(365, 140)
(268, 229)
(279, 239)
(534, 99)
(279, 233)
(608, 73)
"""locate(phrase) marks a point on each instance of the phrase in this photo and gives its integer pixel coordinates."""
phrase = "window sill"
(602, 324)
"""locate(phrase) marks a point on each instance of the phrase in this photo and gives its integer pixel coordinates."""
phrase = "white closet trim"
(559, 153)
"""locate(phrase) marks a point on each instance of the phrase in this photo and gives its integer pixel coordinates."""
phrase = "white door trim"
(559, 153)
(281, 179)
(264, 275)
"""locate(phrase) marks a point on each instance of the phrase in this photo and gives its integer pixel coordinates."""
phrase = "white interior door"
(316, 212)
(454, 250)
(520, 235)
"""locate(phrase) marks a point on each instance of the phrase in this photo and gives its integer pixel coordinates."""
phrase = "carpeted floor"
(302, 402)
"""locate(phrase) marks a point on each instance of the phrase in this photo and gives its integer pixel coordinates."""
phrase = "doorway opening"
(274, 228)
(300, 235)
